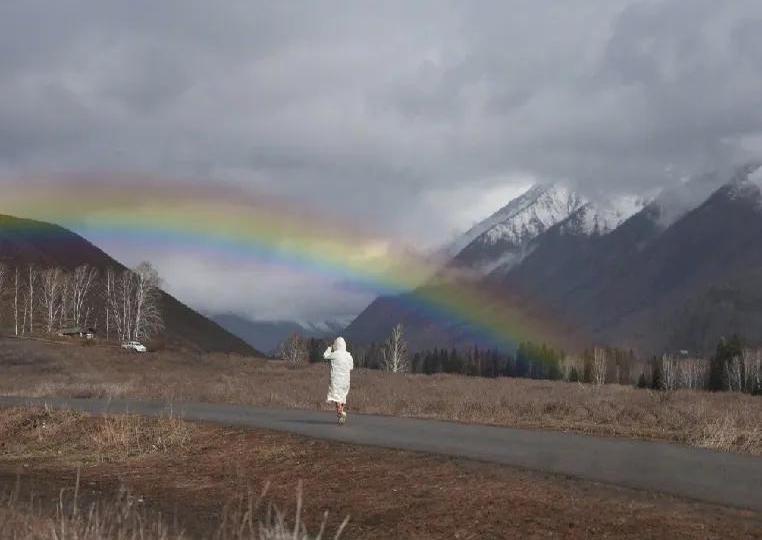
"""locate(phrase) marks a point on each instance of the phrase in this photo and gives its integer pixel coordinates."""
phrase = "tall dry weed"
(118, 517)
(125, 436)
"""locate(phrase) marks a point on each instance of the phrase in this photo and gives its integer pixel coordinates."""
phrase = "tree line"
(119, 304)
(733, 367)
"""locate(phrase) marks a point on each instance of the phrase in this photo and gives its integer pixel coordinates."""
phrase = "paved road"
(699, 474)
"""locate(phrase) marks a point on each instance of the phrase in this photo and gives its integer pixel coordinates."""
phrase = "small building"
(76, 331)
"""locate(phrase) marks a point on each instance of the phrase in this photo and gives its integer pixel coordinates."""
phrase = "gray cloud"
(383, 107)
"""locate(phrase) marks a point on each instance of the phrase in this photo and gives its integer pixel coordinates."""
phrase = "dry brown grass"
(120, 517)
(124, 436)
(723, 421)
(38, 432)
(72, 439)
(41, 432)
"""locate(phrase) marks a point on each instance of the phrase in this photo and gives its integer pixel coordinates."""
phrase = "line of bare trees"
(739, 371)
(742, 372)
(125, 302)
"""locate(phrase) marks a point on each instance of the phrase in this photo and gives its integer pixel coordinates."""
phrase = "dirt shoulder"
(195, 472)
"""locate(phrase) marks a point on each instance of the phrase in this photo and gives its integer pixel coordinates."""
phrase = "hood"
(339, 344)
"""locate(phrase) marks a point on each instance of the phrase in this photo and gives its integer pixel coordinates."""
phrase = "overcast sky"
(416, 118)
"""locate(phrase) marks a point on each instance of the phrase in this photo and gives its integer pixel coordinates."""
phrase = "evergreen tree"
(727, 349)
(315, 349)
(522, 361)
(416, 363)
(587, 366)
(573, 375)
(656, 374)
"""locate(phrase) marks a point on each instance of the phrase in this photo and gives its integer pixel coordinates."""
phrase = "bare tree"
(752, 360)
(32, 282)
(63, 312)
(734, 374)
(3, 278)
(293, 350)
(147, 312)
(80, 286)
(394, 352)
(133, 302)
(669, 373)
(125, 285)
(599, 365)
(111, 303)
(16, 301)
(693, 373)
(52, 282)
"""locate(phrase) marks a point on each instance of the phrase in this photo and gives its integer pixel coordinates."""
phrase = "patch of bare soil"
(196, 479)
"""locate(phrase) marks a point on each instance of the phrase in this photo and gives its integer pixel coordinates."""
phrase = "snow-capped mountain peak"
(514, 208)
(503, 237)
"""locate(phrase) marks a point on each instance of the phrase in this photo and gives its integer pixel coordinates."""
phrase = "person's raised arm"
(327, 353)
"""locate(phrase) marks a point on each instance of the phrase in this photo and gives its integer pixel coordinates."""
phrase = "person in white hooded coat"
(341, 366)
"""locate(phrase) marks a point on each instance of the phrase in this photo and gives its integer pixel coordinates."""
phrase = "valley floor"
(721, 421)
(193, 478)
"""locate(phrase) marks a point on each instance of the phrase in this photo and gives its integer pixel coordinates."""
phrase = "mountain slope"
(24, 242)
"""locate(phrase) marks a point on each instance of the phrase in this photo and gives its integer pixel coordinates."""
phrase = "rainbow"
(220, 217)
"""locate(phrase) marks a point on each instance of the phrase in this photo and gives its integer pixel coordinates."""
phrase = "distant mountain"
(24, 241)
(680, 272)
(268, 335)
(502, 238)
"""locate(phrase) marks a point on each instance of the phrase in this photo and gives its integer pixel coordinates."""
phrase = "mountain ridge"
(650, 283)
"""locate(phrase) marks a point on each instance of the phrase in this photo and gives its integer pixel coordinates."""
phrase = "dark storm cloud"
(383, 108)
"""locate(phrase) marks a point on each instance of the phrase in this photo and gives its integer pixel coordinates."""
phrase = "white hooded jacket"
(341, 364)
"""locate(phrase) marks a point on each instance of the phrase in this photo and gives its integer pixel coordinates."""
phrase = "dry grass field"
(723, 421)
(68, 476)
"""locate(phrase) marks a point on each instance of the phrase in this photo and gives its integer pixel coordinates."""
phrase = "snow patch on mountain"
(597, 219)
